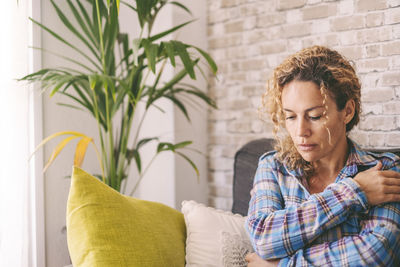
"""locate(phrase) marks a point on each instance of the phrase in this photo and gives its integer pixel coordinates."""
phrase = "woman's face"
(315, 136)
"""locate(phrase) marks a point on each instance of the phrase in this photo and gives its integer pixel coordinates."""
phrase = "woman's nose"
(302, 129)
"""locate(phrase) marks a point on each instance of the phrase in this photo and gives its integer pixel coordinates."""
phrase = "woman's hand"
(256, 261)
(379, 186)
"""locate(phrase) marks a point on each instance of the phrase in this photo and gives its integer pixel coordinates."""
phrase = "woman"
(319, 200)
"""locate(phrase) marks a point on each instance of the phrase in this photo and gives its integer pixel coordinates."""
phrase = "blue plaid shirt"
(333, 228)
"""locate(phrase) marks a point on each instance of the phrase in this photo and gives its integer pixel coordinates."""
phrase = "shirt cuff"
(362, 198)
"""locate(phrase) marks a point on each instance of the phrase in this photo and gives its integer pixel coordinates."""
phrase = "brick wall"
(249, 38)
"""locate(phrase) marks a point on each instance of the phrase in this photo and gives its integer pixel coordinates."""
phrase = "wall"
(248, 38)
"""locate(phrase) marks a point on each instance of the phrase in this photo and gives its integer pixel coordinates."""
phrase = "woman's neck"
(329, 167)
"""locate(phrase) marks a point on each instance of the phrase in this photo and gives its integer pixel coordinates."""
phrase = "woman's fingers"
(250, 256)
(391, 189)
(391, 181)
(392, 198)
(390, 174)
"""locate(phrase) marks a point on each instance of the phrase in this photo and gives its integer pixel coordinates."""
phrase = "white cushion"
(214, 237)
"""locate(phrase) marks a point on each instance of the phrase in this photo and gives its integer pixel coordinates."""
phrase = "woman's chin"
(308, 156)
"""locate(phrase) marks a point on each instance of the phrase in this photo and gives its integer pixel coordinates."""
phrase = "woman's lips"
(306, 147)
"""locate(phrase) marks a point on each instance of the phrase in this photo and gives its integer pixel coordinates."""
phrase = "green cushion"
(105, 228)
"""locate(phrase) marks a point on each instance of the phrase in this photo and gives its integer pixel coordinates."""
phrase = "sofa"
(105, 228)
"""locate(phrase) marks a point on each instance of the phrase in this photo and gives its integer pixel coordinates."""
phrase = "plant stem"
(142, 175)
(103, 60)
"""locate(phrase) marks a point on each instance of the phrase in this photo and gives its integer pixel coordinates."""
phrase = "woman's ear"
(349, 111)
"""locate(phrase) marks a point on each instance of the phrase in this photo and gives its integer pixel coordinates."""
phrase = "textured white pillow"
(214, 237)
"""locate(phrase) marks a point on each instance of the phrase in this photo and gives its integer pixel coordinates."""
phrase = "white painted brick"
(347, 23)
(295, 44)
(320, 26)
(376, 139)
(378, 123)
(313, 2)
(392, 78)
(221, 178)
(370, 5)
(393, 139)
(397, 91)
(395, 62)
(346, 7)
(374, 35)
(373, 50)
(377, 95)
(273, 47)
(265, 21)
(330, 40)
(392, 48)
(348, 38)
(293, 16)
(221, 191)
(221, 203)
(250, 23)
(392, 108)
(351, 52)
(374, 19)
(393, 3)
(371, 65)
(289, 4)
(257, 126)
(221, 164)
(296, 30)
(319, 11)
(370, 80)
(371, 108)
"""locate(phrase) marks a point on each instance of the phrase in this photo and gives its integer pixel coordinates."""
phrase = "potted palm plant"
(122, 73)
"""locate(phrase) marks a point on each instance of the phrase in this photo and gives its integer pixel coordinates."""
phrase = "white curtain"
(18, 185)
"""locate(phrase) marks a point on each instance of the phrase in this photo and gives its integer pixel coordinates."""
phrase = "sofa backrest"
(245, 165)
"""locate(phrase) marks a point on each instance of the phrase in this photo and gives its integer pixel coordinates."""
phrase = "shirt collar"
(357, 157)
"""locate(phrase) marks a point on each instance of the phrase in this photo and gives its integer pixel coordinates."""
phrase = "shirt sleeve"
(277, 231)
(377, 244)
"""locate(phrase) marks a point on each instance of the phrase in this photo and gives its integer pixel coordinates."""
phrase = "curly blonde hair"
(335, 77)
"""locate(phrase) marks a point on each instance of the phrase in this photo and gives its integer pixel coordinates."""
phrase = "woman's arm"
(378, 244)
(277, 231)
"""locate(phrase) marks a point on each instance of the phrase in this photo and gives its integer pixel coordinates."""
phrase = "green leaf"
(182, 144)
(169, 48)
(165, 33)
(179, 104)
(180, 48)
(84, 22)
(58, 37)
(135, 50)
(93, 79)
(129, 5)
(151, 54)
(144, 141)
(210, 61)
(138, 160)
(165, 147)
(72, 28)
(191, 163)
(181, 6)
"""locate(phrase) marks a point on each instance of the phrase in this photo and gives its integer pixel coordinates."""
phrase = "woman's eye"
(289, 117)
(315, 118)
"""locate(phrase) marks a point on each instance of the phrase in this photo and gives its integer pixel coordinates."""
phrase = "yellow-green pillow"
(105, 228)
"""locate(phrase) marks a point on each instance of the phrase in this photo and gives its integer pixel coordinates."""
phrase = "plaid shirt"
(333, 228)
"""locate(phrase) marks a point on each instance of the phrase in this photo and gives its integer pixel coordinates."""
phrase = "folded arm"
(278, 231)
(377, 244)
